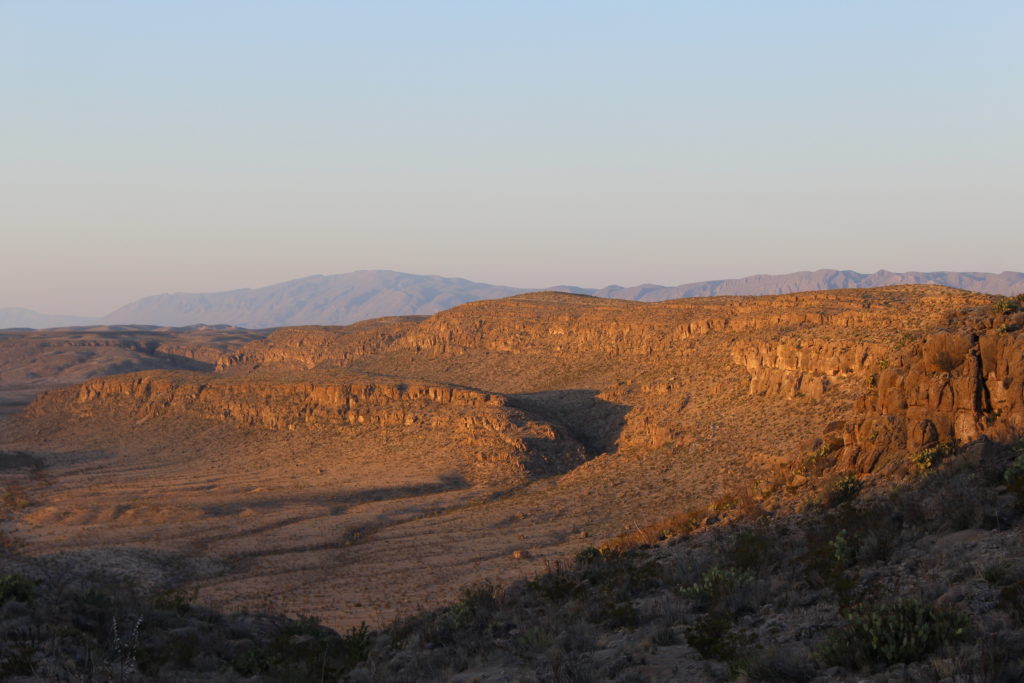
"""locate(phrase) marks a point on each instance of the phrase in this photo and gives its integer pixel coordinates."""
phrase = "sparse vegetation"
(15, 587)
(903, 630)
(842, 489)
(1008, 304)
(929, 458)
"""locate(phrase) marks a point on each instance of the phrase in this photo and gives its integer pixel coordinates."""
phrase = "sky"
(188, 145)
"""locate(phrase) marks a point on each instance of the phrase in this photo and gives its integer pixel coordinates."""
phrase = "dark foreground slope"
(920, 579)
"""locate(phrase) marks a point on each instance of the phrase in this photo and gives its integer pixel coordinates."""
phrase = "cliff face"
(497, 440)
(796, 367)
(948, 387)
(567, 325)
(309, 347)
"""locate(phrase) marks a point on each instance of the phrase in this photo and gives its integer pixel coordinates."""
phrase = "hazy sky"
(152, 146)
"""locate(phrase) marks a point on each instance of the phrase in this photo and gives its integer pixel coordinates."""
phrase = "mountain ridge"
(367, 294)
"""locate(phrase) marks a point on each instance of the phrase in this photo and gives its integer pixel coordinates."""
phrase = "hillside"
(31, 361)
(365, 473)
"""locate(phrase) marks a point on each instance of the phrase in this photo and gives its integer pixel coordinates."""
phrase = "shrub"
(355, 644)
(1006, 304)
(176, 601)
(1014, 475)
(827, 562)
(715, 585)
(818, 461)
(614, 612)
(842, 489)
(15, 587)
(785, 664)
(713, 637)
(998, 574)
(588, 555)
(750, 550)
(929, 458)
(478, 603)
(888, 633)
(1011, 599)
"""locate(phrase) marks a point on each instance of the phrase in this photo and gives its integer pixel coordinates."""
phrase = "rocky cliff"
(312, 346)
(946, 387)
(497, 440)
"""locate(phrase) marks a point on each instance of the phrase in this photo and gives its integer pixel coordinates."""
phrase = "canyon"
(365, 473)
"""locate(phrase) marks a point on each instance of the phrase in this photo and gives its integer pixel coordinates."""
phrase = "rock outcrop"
(498, 440)
(948, 387)
(309, 347)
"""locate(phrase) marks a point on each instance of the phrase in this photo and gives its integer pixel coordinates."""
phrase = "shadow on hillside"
(339, 502)
(594, 422)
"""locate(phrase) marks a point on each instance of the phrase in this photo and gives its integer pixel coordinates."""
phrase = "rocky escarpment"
(561, 325)
(797, 367)
(497, 439)
(43, 358)
(814, 346)
(946, 387)
(311, 346)
(565, 324)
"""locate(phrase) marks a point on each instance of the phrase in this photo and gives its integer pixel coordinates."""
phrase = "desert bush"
(478, 604)
(613, 612)
(588, 555)
(17, 660)
(677, 524)
(994, 659)
(828, 563)
(15, 587)
(176, 601)
(842, 489)
(559, 583)
(788, 664)
(1011, 599)
(928, 458)
(998, 574)
(534, 639)
(962, 505)
(715, 585)
(1014, 475)
(355, 644)
(750, 550)
(713, 637)
(887, 633)
(815, 464)
(300, 650)
(1006, 304)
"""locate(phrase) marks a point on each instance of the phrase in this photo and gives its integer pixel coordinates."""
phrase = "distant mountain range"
(23, 317)
(364, 294)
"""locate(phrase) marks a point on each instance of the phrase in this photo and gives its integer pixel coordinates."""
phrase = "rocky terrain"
(34, 360)
(369, 473)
